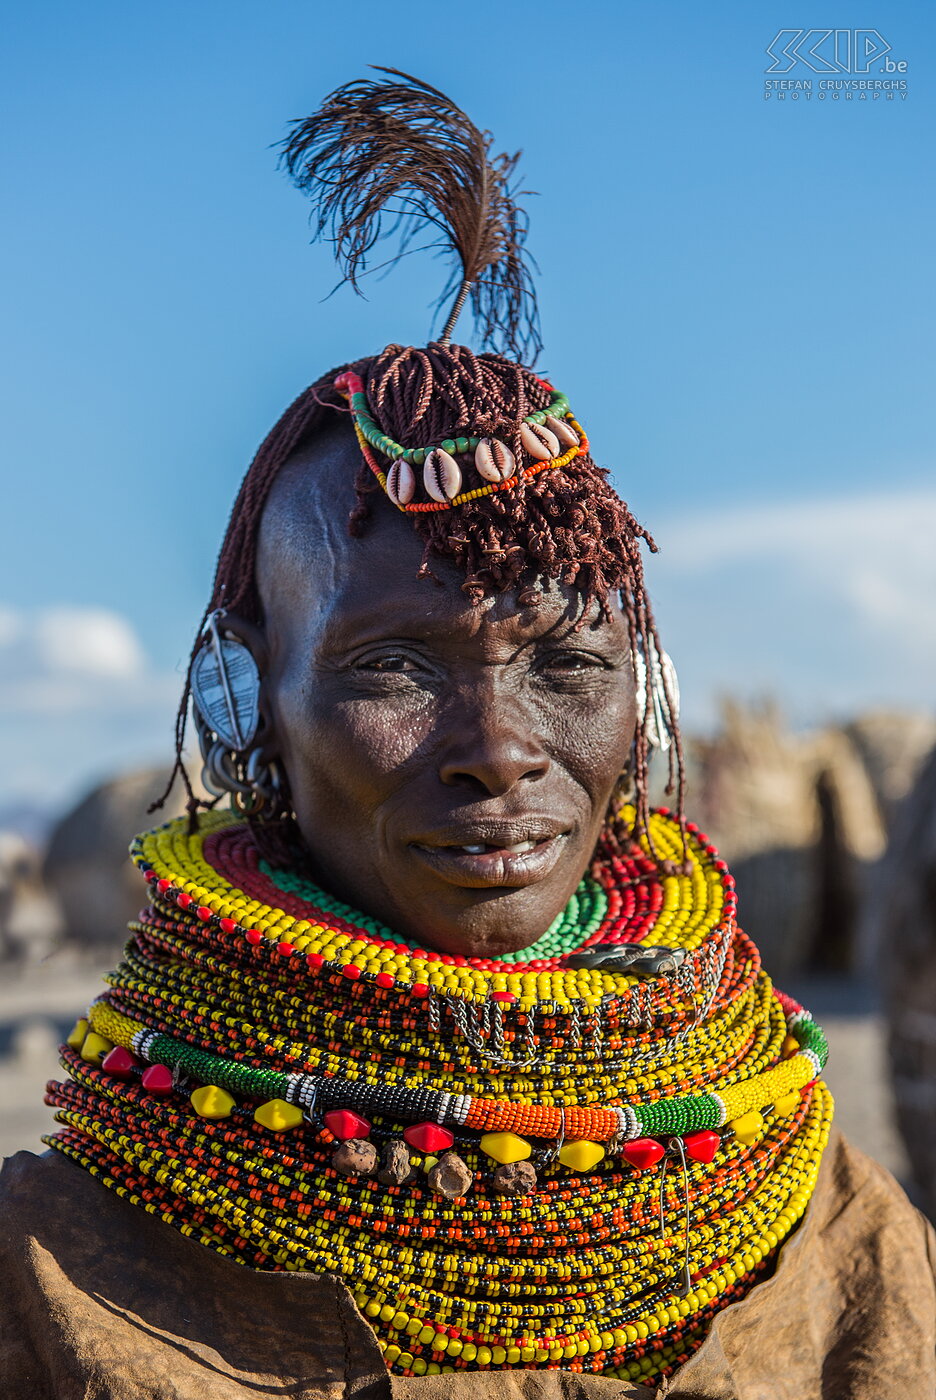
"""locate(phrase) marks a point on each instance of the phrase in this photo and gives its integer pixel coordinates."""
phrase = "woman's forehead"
(313, 575)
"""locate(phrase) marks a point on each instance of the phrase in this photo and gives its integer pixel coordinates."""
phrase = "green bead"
(449, 446)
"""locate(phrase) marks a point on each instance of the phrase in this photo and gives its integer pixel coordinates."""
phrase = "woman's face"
(450, 766)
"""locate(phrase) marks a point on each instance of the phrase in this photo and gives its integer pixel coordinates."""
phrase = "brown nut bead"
(514, 1179)
(395, 1166)
(356, 1157)
(451, 1177)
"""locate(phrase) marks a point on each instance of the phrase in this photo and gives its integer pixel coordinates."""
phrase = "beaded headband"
(550, 437)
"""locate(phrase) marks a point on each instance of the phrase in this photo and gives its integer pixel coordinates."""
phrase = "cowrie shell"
(401, 482)
(442, 475)
(493, 460)
(567, 436)
(539, 442)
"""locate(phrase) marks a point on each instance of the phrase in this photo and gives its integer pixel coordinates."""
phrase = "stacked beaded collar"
(550, 437)
(568, 1162)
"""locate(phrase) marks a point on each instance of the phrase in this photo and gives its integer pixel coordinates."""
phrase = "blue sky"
(736, 293)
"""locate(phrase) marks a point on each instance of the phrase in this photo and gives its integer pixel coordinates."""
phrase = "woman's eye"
(394, 664)
(572, 663)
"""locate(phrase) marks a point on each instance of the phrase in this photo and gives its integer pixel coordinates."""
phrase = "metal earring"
(660, 691)
(225, 686)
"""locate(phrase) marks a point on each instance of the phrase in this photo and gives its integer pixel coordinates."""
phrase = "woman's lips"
(478, 865)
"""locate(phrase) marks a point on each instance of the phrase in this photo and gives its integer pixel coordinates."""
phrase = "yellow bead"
(506, 1147)
(77, 1036)
(790, 1047)
(788, 1104)
(748, 1127)
(581, 1156)
(278, 1115)
(94, 1047)
(211, 1102)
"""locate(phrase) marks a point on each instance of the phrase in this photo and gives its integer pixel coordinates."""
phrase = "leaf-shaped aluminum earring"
(659, 689)
(225, 684)
(226, 687)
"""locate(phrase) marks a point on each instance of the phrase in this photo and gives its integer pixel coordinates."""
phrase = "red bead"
(419, 989)
(503, 996)
(204, 913)
(643, 1152)
(183, 900)
(351, 971)
(150, 875)
(253, 935)
(163, 885)
(315, 960)
(227, 925)
(428, 1137)
(158, 1080)
(702, 1145)
(120, 1063)
(286, 949)
(346, 1124)
(385, 979)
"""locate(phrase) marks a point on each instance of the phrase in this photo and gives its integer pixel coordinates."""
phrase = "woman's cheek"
(372, 736)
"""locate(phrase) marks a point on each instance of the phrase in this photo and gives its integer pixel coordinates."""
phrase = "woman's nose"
(492, 752)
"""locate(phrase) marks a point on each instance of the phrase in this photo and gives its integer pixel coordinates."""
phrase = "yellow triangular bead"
(95, 1047)
(581, 1156)
(748, 1127)
(506, 1147)
(788, 1104)
(278, 1115)
(77, 1037)
(790, 1047)
(211, 1102)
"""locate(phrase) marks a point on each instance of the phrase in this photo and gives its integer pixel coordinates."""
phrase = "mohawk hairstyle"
(371, 142)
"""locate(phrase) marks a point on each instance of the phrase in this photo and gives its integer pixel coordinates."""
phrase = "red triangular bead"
(701, 1146)
(643, 1152)
(344, 1124)
(428, 1137)
(158, 1080)
(120, 1063)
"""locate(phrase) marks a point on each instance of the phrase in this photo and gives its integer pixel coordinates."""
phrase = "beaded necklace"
(571, 1161)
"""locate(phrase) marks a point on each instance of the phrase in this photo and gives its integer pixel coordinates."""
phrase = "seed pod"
(539, 442)
(355, 1157)
(401, 482)
(564, 431)
(442, 475)
(494, 460)
(395, 1165)
(514, 1179)
(450, 1176)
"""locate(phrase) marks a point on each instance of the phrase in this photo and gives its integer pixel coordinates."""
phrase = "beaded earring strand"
(289, 1083)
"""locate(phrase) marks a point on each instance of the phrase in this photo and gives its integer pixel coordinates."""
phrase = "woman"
(444, 1056)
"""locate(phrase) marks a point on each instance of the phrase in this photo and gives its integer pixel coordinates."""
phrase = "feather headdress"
(384, 157)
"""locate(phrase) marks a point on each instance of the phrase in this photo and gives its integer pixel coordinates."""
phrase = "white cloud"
(829, 604)
(79, 701)
(91, 641)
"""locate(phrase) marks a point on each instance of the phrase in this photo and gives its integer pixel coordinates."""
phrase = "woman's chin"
(483, 923)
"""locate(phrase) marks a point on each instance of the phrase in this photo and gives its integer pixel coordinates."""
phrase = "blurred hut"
(30, 918)
(87, 866)
(802, 818)
(902, 912)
